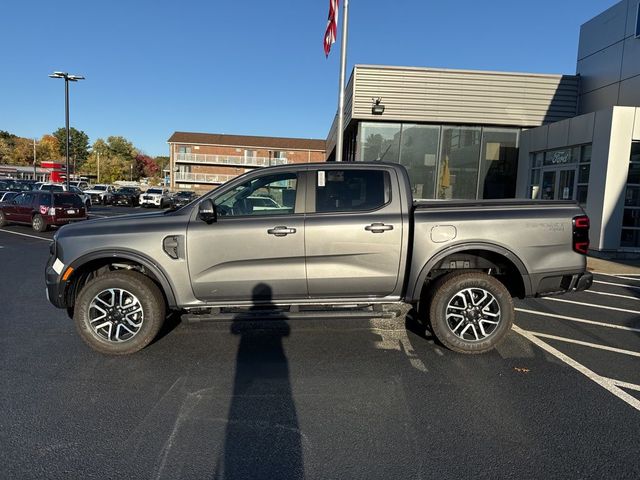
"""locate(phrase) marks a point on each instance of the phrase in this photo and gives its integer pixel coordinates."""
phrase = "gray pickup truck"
(327, 235)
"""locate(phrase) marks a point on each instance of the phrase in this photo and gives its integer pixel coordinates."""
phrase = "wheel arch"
(85, 266)
(480, 256)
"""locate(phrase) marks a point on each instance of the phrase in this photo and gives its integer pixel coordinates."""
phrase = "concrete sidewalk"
(613, 267)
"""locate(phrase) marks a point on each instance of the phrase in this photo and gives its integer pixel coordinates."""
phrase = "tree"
(116, 155)
(22, 152)
(48, 149)
(7, 144)
(121, 147)
(6, 147)
(78, 145)
(145, 167)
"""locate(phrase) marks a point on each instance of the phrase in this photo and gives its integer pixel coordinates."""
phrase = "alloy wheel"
(473, 314)
(116, 315)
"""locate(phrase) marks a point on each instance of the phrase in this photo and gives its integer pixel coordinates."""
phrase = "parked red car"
(43, 209)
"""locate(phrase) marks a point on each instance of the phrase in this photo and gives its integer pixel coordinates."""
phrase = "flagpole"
(343, 67)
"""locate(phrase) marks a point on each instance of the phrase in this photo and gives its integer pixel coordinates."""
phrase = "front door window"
(267, 195)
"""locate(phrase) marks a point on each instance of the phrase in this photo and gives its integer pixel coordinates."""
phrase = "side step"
(296, 312)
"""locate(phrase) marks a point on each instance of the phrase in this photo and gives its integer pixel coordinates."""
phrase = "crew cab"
(342, 234)
(42, 209)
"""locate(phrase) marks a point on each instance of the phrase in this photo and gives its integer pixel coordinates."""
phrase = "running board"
(294, 313)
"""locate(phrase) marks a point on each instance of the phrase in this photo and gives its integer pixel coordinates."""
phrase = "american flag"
(332, 26)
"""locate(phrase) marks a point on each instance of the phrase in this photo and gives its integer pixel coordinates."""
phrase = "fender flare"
(134, 256)
(414, 294)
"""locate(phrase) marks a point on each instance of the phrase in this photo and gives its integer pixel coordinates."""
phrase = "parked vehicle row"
(21, 202)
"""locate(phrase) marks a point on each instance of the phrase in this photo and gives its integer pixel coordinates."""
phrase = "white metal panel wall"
(464, 96)
(348, 112)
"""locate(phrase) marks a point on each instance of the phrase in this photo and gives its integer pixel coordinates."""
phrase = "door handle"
(378, 228)
(281, 231)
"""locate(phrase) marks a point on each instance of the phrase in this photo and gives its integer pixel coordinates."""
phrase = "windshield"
(126, 190)
(100, 187)
(154, 190)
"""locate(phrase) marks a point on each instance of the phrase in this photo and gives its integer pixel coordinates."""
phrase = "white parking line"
(579, 320)
(26, 235)
(613, 295)
(591, 375)
(587, 344)
(619, 275)
(617, 284)
(628, 278)
(594, 305)
(627, 385)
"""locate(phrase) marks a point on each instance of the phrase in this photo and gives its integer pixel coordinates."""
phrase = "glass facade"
(630, 236)
(446, 161)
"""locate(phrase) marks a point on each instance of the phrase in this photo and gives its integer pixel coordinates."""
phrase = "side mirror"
(207, 211)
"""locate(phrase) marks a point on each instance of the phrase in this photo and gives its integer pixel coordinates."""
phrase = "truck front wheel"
(119, 312)
(470, 312)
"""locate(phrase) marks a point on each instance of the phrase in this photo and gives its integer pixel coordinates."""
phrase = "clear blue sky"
(249, 67)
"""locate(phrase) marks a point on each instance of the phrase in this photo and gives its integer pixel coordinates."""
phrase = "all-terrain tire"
(111, 332)
(463, 308)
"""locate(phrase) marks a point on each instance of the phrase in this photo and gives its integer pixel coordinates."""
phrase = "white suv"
(155, 197)
(101, 194)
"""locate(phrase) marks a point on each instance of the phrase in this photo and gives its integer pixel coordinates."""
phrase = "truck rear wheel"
(119, 312)
(470, 312)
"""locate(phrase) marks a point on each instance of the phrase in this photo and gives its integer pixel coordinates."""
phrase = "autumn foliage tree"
(146, 167)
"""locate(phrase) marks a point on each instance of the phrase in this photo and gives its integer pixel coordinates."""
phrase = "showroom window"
(445, 162)
(630, 236)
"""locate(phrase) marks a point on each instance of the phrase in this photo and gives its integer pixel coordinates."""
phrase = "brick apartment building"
(202, 161)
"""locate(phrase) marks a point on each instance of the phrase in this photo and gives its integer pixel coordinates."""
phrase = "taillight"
(581, 234)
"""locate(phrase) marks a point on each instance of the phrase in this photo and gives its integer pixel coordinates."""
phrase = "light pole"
(67, 78)
(35, 172)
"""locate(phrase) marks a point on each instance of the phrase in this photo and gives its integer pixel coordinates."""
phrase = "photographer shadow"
(262, 437)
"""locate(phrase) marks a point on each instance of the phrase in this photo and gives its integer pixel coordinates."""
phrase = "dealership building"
(475, 134)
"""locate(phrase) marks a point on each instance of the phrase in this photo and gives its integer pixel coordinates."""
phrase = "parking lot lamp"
(67, 78)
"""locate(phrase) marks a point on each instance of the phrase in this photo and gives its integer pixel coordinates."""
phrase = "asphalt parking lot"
(366, 398)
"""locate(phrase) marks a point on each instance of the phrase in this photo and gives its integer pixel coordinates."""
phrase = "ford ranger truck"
(340, 234)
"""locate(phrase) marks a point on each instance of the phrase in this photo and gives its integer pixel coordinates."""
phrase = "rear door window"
(351, 190)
